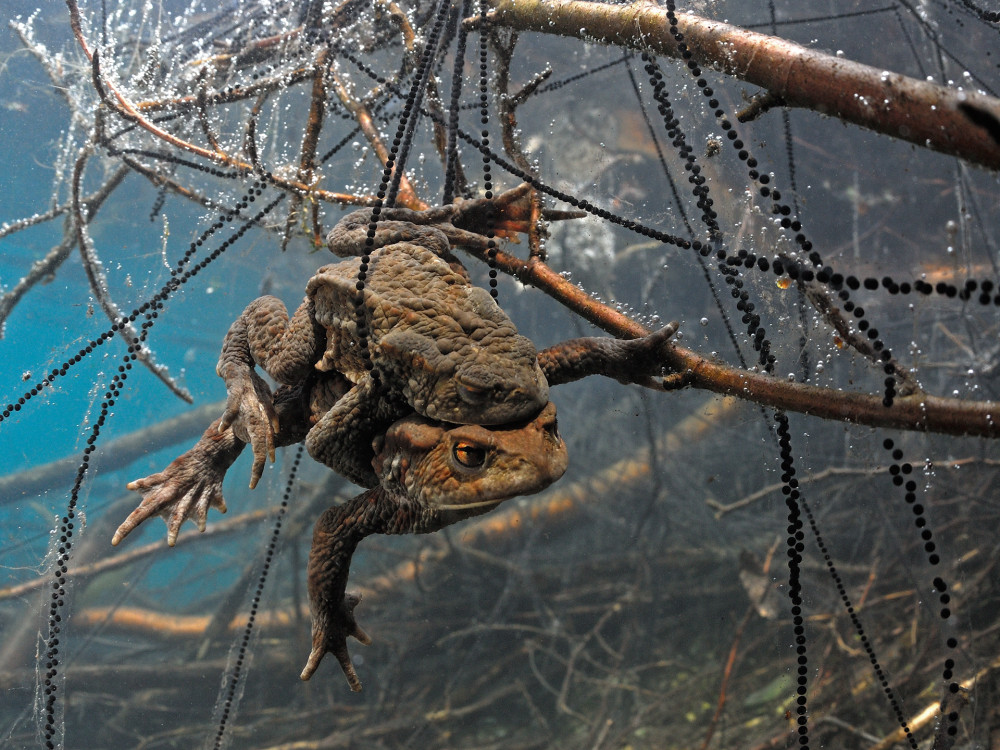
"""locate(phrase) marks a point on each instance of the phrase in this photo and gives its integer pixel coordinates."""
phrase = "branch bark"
(926, 114)
(919, 411)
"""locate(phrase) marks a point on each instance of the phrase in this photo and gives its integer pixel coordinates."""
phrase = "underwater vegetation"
(784, 535)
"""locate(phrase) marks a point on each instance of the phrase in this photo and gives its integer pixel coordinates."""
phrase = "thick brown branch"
(921, 412)
(923, 113)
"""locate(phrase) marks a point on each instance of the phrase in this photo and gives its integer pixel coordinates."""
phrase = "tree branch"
(929, 115)
(919, 411)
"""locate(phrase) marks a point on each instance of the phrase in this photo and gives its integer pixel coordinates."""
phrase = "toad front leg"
(188, 487)
(626, 360)
(287, 349)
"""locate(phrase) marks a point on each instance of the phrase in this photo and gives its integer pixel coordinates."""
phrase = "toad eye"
(469, 455)
(471, 394)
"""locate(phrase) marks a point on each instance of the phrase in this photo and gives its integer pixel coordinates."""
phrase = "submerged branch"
(918, 411)
(927, 114)
(99, 286)
(85, 572)
(44, 268)
(110, 456)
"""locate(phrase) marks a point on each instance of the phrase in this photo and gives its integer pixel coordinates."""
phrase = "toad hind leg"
(286, 348)
(335, 537)
(342, 437)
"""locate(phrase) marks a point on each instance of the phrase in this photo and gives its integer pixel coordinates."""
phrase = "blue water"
(872, 205)
(55, 320)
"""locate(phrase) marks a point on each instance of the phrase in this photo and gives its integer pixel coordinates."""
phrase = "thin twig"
(727, 673)
(307, 154)
(508, 121)
(888, 103)
(111, 96)
(250, 136)
(206, 126)
(42, 269)
(819, 297)
(99, 286)
(722, 509)
(407, 197)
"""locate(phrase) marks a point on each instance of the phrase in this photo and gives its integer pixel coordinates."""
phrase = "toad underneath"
(447, 370)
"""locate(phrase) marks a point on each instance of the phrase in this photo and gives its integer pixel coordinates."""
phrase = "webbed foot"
(336, 535)
(251, 415)
(646, 355)
(329, 635)
(167, 496)
(187, 488)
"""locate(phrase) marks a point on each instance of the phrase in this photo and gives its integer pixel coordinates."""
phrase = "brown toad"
(434, 344)
(430, 476)
(439, 347)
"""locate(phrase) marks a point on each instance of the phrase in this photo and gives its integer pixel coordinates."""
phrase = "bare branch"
(918, 411)
(879, 100)
(42, 269)
(117, 454)
(99, 286)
